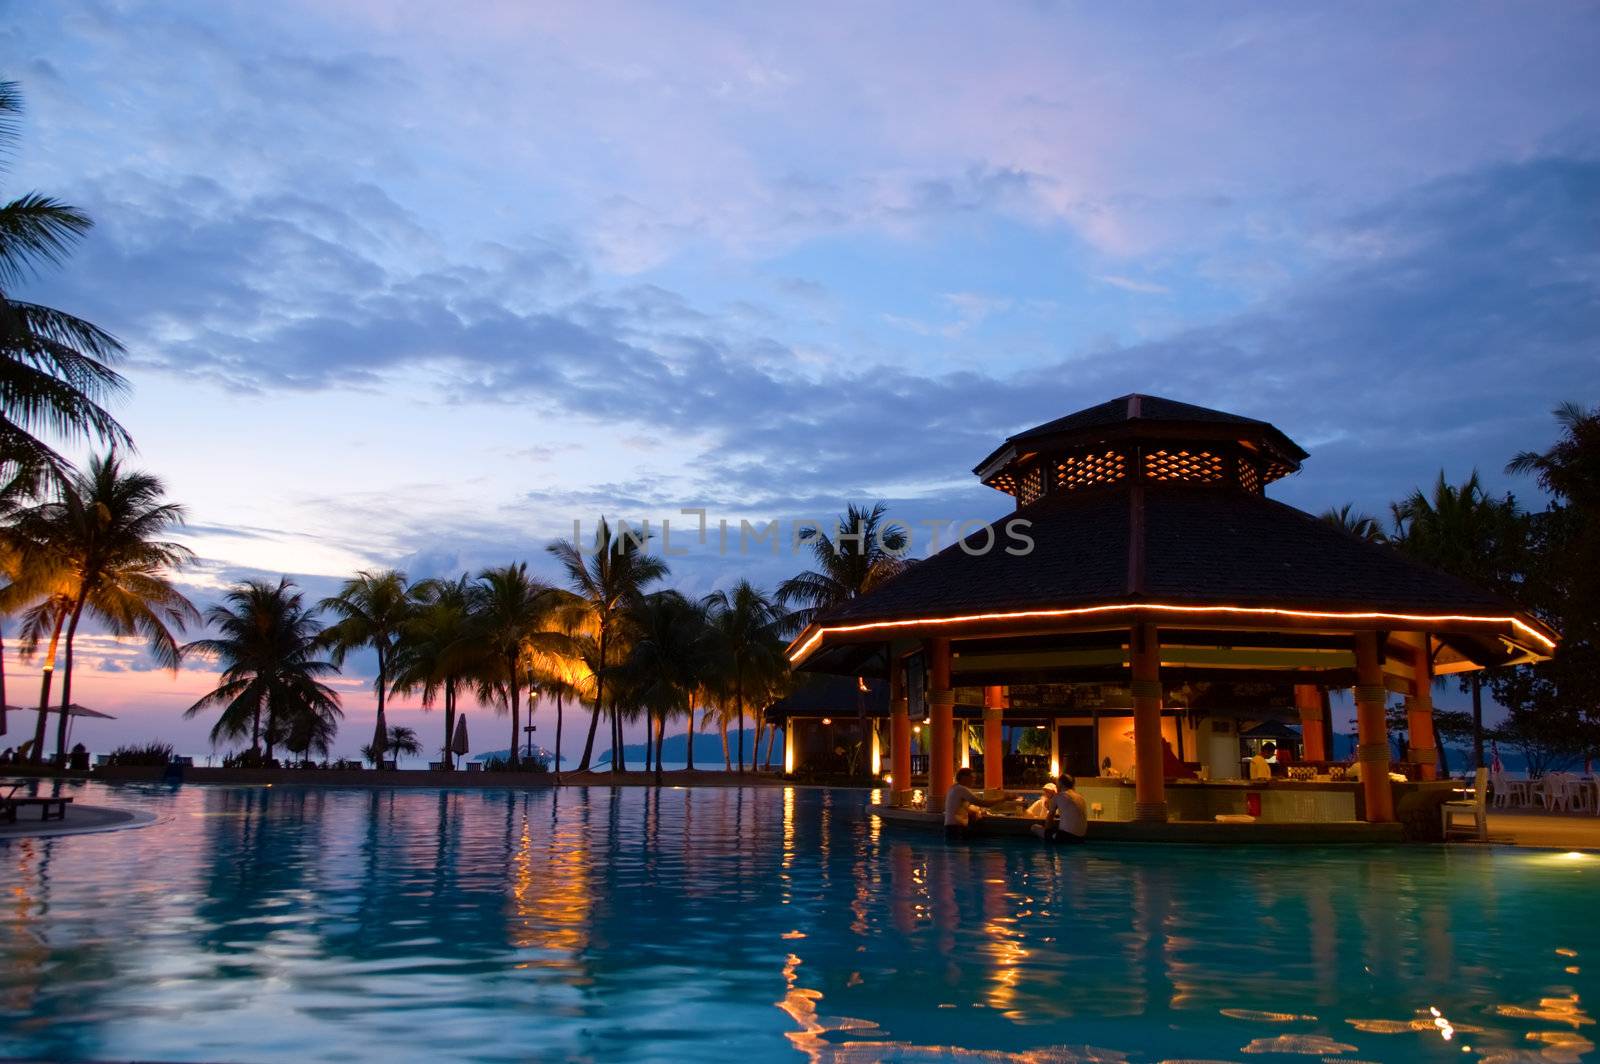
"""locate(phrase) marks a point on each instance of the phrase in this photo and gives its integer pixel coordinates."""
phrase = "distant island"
(675, 748)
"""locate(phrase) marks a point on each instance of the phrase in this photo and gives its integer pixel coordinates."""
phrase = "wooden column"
(941, 707)
(1150, 788)
(994, 747)
(1419, 711)
(1308, 700)
(963, 744)
(899, 734)
(1372, 730)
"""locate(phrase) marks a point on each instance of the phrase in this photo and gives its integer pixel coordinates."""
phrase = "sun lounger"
(49, 808)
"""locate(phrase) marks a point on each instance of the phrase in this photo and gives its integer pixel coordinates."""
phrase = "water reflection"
(291, 923)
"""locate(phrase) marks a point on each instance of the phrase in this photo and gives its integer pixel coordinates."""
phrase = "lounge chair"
(1473, 809)
(10, 803)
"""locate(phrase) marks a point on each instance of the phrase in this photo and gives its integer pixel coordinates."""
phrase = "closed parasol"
(458, 744)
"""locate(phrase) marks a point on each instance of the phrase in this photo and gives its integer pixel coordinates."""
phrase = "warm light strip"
(1257, 611)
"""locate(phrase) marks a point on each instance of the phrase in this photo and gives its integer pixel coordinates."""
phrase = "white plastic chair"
(1557, 792)
(1472, 809)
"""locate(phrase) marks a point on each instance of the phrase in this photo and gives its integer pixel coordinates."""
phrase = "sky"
(420, 284)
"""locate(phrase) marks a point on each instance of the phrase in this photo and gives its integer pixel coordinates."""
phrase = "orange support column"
(994, 766)
(941, 707)
(1308, 700)
(1372, 730)
(1149, 781)
(1419, 714)
(899, 735)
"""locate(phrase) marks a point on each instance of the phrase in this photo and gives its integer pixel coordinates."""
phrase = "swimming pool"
(278, 924)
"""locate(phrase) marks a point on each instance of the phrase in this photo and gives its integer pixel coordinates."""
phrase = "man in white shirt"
(962, 806)
(1069, 815)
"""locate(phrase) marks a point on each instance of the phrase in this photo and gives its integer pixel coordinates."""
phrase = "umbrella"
(458, 744)
(73, 710)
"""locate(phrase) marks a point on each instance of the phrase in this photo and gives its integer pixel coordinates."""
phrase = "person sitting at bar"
(962, 806)
(1040, 809)
(1261, 764)
(1069, 815)
(1171, 767)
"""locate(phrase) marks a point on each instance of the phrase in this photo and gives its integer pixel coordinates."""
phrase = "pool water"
(293, 924)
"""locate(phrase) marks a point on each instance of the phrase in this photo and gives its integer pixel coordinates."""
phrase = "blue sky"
(419, 284)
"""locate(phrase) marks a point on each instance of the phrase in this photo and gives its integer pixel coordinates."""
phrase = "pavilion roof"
(1173, 543)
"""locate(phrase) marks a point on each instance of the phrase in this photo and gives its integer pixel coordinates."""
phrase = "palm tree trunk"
(66, 680)
(688, 738)
(772, 737)
(738, 697)
(448, 760)
(722, 726)
(383, 722)
(556, 764)
(1477, 720)
(619, 760)
(515, 694)
(755, 745)
(44, 688)
(660, 729)
(649, 737)
(2, 683)
(599, 705)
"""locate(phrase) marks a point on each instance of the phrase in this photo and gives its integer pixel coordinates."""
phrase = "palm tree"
(669, 660)
(1347, 518)
(438, 651)
(402, 740)
(104, 525)
(1468, 534)
(55, 369)
(1569, 470)
(271, 683)
(512, 611)
(864, 552)
(565, 672)
(28, 571)
(608, 579)
(371, 610)
(744, 626)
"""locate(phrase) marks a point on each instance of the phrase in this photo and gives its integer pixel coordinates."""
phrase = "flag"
(1494, 757)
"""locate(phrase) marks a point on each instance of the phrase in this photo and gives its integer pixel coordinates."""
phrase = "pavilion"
(1164, 599)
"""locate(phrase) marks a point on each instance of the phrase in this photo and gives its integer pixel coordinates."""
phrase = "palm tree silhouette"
(371, 610)
(864, 551)
(1468, 534)
(104, 525)
(55, 369)
(744, 625)
(608, 578)
(271, 683)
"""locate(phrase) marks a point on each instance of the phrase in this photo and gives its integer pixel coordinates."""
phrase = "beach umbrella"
(458, 744)
(73, 710)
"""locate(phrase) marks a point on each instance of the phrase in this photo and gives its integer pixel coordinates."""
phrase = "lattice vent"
(1004, 482)
(1088, 470)
(1183, 465)
(1278, 469)
(1032, 487)
(1249, 479)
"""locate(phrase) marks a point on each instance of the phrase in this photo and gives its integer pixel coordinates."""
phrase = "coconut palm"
(438, 650)
(744, 628)
(669, 660)
(1570, 469)
(55, 369)
(371, 610)
(271, 686)
(864, 551)
(565, 673)
(29, 571)
(1465, 532)
(513, 613)
(608, 578)
(402, 740)
(104, 525)
(1347, 518)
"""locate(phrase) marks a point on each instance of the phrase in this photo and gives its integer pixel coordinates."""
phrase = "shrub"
(148, 754)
